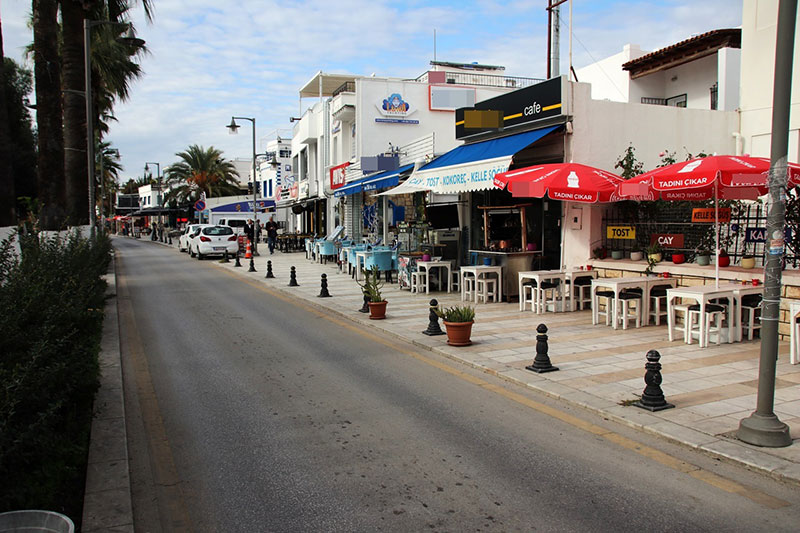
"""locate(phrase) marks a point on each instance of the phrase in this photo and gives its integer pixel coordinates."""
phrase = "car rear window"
(236, 223)
(218, 230)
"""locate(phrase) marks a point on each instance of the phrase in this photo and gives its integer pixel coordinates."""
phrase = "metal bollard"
(252, 265)
(323, 293)
(365, 307)
(225, 257)
(169, 236)
(237, 263)
(653, 397)
(269, 270)
(293, 278)
(541, 362)
(433, 321)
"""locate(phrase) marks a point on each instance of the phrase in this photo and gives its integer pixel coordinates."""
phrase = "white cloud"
(210, 59)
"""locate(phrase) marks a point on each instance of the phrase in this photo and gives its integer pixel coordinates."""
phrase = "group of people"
(253, 232)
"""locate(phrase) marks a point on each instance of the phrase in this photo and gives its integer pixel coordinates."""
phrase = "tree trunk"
(8, 197)
(74, 83)
(50, 170)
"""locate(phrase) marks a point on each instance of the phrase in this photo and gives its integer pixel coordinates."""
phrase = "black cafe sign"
(531, 104)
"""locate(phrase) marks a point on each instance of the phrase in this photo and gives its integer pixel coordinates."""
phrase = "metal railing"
(346, 87)
(488, 80)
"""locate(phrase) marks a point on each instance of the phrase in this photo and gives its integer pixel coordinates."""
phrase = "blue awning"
(389, 178)
(470, 167)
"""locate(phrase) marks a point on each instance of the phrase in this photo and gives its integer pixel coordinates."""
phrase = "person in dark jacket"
(272, 233)
(249, 230)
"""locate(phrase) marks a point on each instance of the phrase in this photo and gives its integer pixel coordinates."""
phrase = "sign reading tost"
(530, 104)
(620, 232)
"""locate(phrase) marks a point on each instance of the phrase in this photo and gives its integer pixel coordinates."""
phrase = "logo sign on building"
(530, 104)
(620, 232)
(706, 214)
(667, 240)
(395, 110)
(338, 175)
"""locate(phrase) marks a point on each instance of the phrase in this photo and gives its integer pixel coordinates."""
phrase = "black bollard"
(252, 265)
(293, 278)
(237, 263)
(323, 293)
(653, 397)
(269, 270)
(365, 307)
(170, 238)
(225, 257)
(433, 321)
(541, 363)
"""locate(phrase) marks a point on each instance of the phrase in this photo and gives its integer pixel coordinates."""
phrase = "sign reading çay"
(667, 240)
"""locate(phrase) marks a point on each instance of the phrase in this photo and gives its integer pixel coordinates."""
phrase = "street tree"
(201, 170)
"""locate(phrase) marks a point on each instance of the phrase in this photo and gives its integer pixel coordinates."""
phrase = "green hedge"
(51, 300)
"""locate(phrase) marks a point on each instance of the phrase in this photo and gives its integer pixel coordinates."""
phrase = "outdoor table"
(740, 290)
(619, 284)
(478, 271)
(702, 295)
(344, 258)
(427, 266)
(573, 274)
(539, 276)
(361, 260)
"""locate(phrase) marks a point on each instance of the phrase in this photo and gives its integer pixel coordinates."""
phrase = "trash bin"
(35, 521)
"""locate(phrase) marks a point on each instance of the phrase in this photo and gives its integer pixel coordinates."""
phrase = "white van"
(237, 224)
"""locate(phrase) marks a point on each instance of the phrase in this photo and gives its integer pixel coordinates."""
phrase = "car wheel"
(191, 253)
(200, 256)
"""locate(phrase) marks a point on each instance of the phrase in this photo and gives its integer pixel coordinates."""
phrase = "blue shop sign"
(760, 234)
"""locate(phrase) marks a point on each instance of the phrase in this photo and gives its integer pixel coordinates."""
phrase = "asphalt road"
(248, 411)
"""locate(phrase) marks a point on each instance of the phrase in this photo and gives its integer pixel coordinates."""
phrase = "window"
(677, 101)
(218, 230)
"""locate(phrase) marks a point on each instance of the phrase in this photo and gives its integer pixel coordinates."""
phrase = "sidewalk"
(600, 369)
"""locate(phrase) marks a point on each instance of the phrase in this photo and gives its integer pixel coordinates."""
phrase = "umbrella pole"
(716, 226)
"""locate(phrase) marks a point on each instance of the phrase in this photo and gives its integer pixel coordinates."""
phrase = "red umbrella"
(561, 181)
(706, 178)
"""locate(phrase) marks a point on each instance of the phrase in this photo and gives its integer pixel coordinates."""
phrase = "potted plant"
(617, 254)
(458, 322)
(654, 253)
(702, 256)
(748, 260)
(724, 259)
(600, 253)
(636, 254)
(371, 286)
(678, 258)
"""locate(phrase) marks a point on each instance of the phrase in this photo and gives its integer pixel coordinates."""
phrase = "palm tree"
(201, 170)
(112, 70)
(50, 160)
(7, 195)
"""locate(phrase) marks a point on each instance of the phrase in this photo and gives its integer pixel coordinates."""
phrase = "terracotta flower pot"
(377, 310)
(458, 333)
(748, 262)
(678, 258)
(724, 260)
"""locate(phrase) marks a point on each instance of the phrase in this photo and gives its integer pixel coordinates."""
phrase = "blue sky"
(210, 59)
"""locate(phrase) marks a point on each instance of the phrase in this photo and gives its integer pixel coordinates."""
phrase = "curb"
(107, 498)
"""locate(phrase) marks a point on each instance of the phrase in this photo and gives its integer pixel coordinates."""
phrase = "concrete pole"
(763, 428)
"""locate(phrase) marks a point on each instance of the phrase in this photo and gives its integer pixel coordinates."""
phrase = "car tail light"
(205, 239)
(232, 238)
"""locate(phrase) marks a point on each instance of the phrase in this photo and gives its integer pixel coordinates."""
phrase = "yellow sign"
(621, 232)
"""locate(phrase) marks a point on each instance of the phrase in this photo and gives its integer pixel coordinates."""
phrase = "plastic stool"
(713, 311)
(751, 304)
(486, 287)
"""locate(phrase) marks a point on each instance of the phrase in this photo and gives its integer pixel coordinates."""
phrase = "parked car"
(237, 224)
(183, 240)
(213, 240)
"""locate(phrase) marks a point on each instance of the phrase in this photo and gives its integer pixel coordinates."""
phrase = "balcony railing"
(675, 101)
(346, 87)
(487, 80)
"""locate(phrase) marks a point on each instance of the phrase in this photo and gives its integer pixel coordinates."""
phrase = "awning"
(470, 167)
(381, 180)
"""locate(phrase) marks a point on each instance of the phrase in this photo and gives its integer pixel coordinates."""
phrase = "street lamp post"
(233, 127)
(159, 193)
(87, 67)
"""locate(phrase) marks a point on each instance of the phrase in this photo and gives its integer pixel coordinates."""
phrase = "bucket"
(487, 261)
(35, 522)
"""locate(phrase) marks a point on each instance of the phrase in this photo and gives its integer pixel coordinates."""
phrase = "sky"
(211, 59)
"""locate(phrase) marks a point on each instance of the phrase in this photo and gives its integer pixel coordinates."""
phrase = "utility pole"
(763, 428)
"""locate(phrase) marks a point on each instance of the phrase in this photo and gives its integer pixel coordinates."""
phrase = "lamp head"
(274, 163)
(131, 39)
(233, 127)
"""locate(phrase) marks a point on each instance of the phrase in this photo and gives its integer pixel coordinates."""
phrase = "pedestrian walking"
(258, 230)
(249, 230)
(272, 233)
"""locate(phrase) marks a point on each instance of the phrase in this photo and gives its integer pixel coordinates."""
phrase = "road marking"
(663, 458)
(165, 474)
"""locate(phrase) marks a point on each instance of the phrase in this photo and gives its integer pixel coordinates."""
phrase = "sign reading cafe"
(395, 110)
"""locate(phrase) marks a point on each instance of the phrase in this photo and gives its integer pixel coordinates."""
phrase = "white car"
(183, 240)
(213, 240)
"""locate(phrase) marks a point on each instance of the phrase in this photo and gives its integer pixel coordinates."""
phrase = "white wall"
(608, 80)
(759, 31)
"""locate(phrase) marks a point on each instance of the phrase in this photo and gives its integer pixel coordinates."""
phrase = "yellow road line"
(658, 456)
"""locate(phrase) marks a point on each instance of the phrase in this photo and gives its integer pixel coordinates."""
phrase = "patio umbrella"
(706, 178)
(561, 181)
